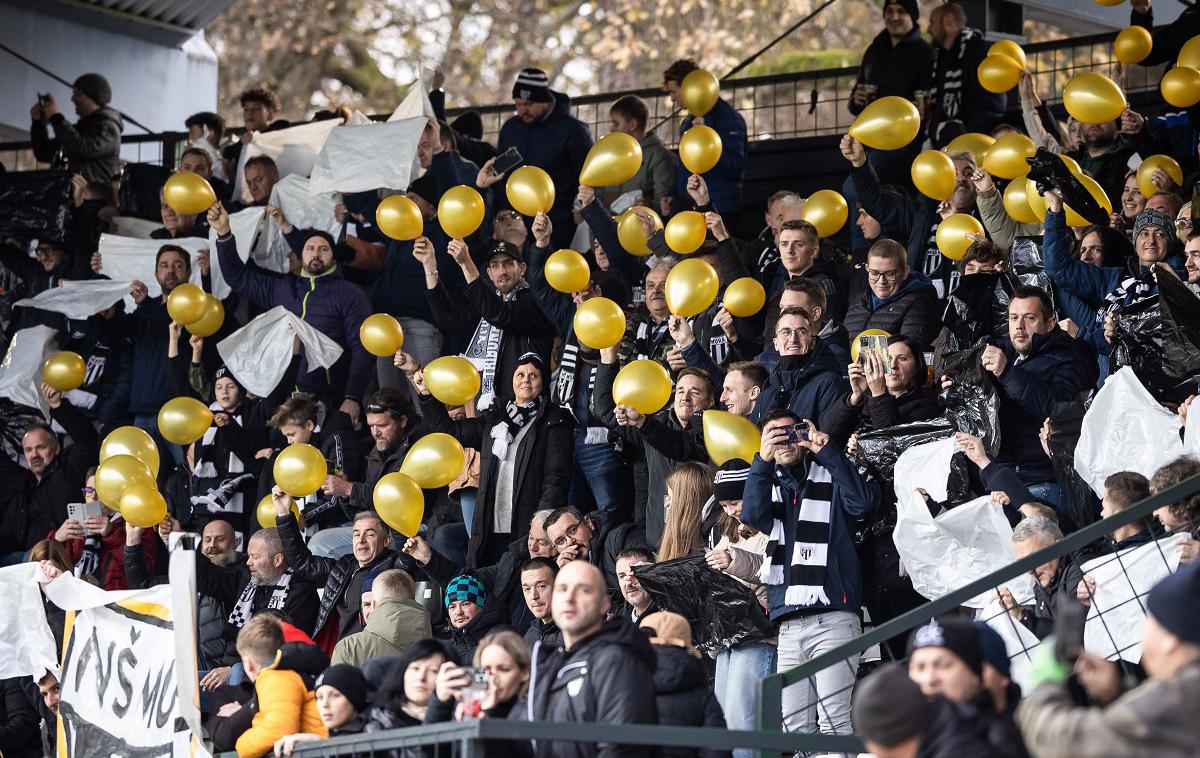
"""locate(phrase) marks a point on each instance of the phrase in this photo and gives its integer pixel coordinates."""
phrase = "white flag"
(294, 151)
(361, 158)
(79, 299)
(21, 372)
(26, 642)
(126, 258)
(258, 354)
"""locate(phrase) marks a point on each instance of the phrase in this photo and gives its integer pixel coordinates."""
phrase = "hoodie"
(724, 179)
(395, 624)
(683, 698)
(809, 385)
(913, 311)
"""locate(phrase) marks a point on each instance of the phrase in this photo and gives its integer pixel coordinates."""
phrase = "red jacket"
(112, 554)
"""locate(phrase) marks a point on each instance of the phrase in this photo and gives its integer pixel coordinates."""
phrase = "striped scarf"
(805, 575)
(1131, 290)
(484, 350)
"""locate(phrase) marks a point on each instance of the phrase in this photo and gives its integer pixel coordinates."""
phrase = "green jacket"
(999, 225)
(393, 626)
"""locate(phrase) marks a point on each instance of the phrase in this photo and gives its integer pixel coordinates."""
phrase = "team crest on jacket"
(574, 686)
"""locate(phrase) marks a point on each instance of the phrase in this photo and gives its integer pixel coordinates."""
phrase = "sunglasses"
(377, 408)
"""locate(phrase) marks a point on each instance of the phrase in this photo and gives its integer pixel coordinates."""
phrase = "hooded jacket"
(91, 147)
(395, 624)
(600, 679)
(464, 640)
(543, 632)
(809, 385)
(683, 697)
(954, 730)
(913, 311)
(724, 179)
(284, 702)
(902, 69)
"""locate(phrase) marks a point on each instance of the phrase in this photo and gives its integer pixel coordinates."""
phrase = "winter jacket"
(503, 579)
(545, 632)
(683, 698)
(602, 678)
(542, 470)
(902, 69)
(957, 93)
(1066, 579)
(809, 385)
(150, 374)
(724, 179)
(394, 625)
(464, 640)
(630, 268)
(284, 701)
(226, 583)
(111, 572)
(327, 302)
(91, 147)
(1157, 718)
(880, 412)
(19, 735)
(655, 178)
(853, 497)
(380, 463)
(955, 730)
(913, 311)
(612, 537)
(558, 144)
(1000, 227)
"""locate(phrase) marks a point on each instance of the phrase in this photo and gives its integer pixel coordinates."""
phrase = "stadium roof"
(169, 22)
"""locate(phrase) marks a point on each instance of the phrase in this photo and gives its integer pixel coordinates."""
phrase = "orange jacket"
(285, 706)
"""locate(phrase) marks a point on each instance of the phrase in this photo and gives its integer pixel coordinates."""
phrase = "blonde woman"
(689, 487)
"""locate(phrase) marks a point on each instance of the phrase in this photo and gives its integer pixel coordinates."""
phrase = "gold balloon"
(1072, 165)
(1006, 158)
(1093, 98)
(1009, 48)
(888, 123)
(1093, 187)
(208, 324)
(434, 461)
(530, 191)
(854, 343)
(934, 175)
(188, 193)
(685, 232)
(130, 440)
(999, 73)
(399, 218)
(1189, 54)
(744, 297)
(452, 379)
(599, 323)
(700, 148)
(400, 502)
(1148, 167)
(691, 287)
(698, 92)
(381, 335)
(972, 142)
(1017, 204)
(567, 271)
(265, 512)
(64, 371)
(143, 506)
(632, 234)
(826, 210)
(187, 303)
(1037, 203)
(728, 437)
(1109, 3)
(614, 159)
(1133, 44)
(118, 473)
(300, 469)
(1181, 86)
(183, 420)
(460, 211)
(643, 385)
(951, 237)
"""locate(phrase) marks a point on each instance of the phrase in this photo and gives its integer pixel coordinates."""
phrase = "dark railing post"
(770, 708)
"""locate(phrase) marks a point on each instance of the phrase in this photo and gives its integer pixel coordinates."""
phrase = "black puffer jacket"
(491, 618)
(545, 632)
(503, 579)
(19, 735)
(881, 412)
(913, 311)
(601, 679)
(683, 698)
(955, 730)
(91, 147)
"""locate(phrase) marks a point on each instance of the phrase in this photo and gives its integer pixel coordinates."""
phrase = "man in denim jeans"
(803, 492)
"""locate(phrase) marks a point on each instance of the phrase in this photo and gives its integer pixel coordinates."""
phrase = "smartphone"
(876, 345)
(474, 693)
(507, 161)
(80, 511)
(1070, 617)
(797, 433)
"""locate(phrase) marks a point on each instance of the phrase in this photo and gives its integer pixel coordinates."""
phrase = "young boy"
(286, 703)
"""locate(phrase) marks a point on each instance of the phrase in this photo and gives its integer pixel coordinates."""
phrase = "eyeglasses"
(571, 531)
(507, 216)
(89, 490)
(1183, 223)
(787, 334)
(889, 276)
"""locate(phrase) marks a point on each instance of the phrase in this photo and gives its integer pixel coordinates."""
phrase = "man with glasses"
(897, 300)
(593, 538)
(807, 380)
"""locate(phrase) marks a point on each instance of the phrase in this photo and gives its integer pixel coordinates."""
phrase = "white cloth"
(361, 158)
(294, 151)
(127, 258)
(1125, 429)
(26, 642)
(1019, 642)
(79, 299)
(304, 210)
(415, 103)
(506, 484)
(21, 372)
(247, 227)
(258, 354)
(1191, 430)
(132, 226)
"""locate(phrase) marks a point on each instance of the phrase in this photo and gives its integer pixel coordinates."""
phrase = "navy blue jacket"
(911, 218)
(810, 390)
(913, 311)
(150, 384)
(724, 179)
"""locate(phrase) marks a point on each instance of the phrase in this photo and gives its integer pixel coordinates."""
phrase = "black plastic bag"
(723, 612)
(140, 185)
(879, 450)
(1180, 309)
(973, 310)
(1066, 424)
(972, 403)
(34, 205)
(1138, 343)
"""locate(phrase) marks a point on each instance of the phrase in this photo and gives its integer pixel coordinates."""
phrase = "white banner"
(79, 299)
(258, 354)
(304, 210)
(21, 372)
(26, 642)
(361, 158)
(1019, 642)
(245, 225)
(126, 259)
(294, 151)
(132, 226)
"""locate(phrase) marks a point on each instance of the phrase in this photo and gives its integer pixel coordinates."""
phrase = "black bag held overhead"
(1158, 337)
(972, 403)
(1049, 171)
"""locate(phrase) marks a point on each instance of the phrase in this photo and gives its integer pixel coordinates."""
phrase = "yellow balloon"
(1093, 187)
(999, 73)
(632, 234)
(265, 512)
(1037, 203)
(188, 193)
(826, 210)
(972, 142)
(400, 502)
(129, 440)
(700, 148)
(381, 335)
(854, 343)
(434, 461)
(728, 437)
(933, 174)
(211, 321)
(530, 191)
(599, 323)
(118, 473)
(1072, 165)
(187, 303)
(452, 379)
(1006, 158)
(1109, 3)
(300, 469)
(64, 371)
(567, 271)
(460, 211)
(1148, 167)
(183, 420)
(1133, 44)
(1189, 54)
(744, 297)
(1017, 204)
(399, 218)
(614, 159)
(691, 287)
(1093, 98)
(888, 123)
(685, 232)
(698, 92)
(951, 237)
(1181, 86)
(643, 385)
(1009, 48)
(143, 506)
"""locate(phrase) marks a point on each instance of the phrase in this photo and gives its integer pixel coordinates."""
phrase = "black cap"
(959, 637)
(888, 707)
(94, 86)
(349, 681)
(500, 247)
(730, 481)
(909, 5)
(1172, 603)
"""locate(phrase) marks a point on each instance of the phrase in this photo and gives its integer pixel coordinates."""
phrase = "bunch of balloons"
(1001, 70)
(126, 477)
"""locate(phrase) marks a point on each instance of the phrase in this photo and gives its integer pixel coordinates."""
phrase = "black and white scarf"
(805, 575)
(515, 417)
(648, 336)
(1131, 290)
(244, 608)
(484, 350)
(89, 558)
(564, 389)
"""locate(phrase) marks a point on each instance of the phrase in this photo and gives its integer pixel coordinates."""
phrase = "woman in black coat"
(525, 458)
(877, 399)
